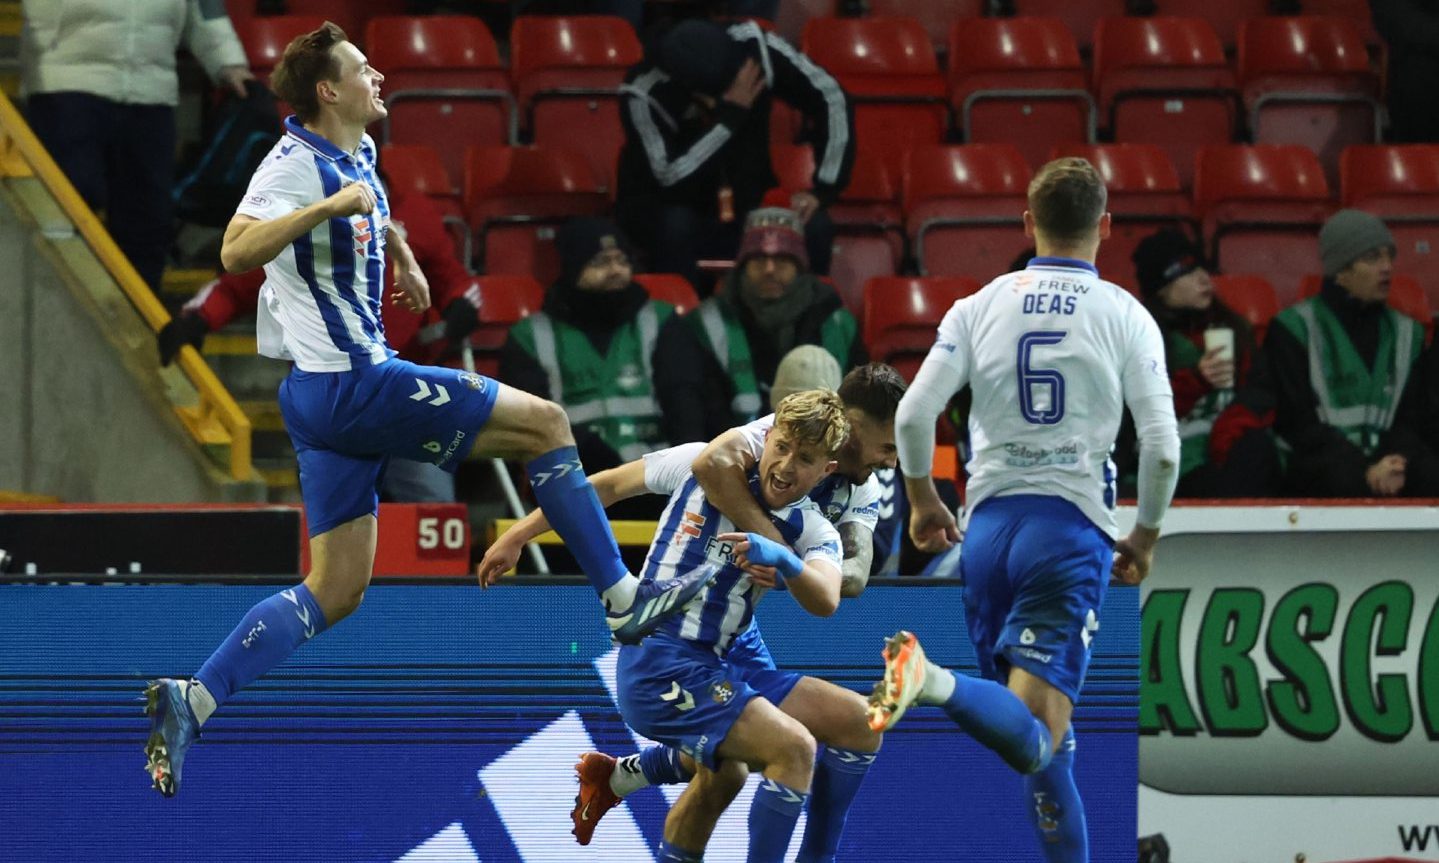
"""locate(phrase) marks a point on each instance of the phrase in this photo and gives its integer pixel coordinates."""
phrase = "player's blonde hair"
(814, 417)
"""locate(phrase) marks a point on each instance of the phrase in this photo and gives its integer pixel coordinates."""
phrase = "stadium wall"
(85, 416)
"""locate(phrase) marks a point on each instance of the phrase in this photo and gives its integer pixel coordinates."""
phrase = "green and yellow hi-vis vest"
(610, 395)
(1358, 401)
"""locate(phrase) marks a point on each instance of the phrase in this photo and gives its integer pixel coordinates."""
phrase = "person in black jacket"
(696, 154)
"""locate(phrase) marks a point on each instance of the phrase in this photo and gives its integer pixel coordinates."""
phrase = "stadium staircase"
(91, 416)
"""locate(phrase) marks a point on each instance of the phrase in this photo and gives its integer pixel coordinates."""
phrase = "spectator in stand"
(101, 88)
(1225, 411)
(1343, 429)
(421, 338)
(696, 153)
(769, 304)
(1410, 29)
(621, 364)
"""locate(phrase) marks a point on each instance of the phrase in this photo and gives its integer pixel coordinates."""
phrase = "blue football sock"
(772, 816)
(1055, 808)
(671, 854)
(998, 719)
(269, 633)
(836, 782)
(573, 510)
(662, 766)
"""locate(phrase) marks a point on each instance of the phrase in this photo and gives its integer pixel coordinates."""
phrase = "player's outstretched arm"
(722, 469)
(250, 242)
(931, 524)
(611, 486)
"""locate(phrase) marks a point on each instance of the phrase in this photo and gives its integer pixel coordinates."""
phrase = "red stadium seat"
(671, 288)
(1400, 184)
(1080, 16)
(265, 38)
(444, 84)
(902, 312)
(1251, 297)
(1019, 80)
(504, 301)
(1356, 11)
(1307, 81)
(1262, 207)
(1144, 197)
(869, 225)
(1165, 81)
(567, 73)
(515, 197)
(888, 68)
(416, 168)
(1405, 297)
(936, 16)
(1222, 15)
(963, 208)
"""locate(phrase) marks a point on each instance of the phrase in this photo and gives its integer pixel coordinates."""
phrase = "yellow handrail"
(216, 403)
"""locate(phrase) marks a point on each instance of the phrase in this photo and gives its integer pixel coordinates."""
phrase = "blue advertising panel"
(442, 723)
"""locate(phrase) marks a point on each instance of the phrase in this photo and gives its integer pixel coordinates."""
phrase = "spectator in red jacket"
(419, 338)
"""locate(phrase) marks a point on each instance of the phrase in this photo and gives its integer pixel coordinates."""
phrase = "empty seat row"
(1164, 80)
(446, 86)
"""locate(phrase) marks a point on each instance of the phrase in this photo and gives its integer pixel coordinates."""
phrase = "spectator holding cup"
(1226, 448)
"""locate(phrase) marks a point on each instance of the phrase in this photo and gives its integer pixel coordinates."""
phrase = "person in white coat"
(101, 88)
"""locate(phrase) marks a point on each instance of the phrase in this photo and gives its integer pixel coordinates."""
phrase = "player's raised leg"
(522, 426)
(988, 711)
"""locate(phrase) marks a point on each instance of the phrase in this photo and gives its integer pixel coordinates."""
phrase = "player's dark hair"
(309, 59)
(1067, 199)
(874, 388)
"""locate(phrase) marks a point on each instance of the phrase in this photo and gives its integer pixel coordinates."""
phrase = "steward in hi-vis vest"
(1341, 363)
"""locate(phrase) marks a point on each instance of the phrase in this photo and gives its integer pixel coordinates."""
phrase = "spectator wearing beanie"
(1341, 363)
(696, 158)
(616, 360)
(768, 305)
(1225, 414)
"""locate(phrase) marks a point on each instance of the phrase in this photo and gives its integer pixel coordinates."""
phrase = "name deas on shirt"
(1019, 455)
(1053, 303)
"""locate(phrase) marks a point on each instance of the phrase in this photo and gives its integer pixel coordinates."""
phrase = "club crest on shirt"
(722, 692)
(473, 381)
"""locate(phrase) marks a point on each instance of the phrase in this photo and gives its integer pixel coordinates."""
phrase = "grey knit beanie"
(1347, 236)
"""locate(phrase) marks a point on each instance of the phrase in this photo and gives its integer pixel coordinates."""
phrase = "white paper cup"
(1222, 338)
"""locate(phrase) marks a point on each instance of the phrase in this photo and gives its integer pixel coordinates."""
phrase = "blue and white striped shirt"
(320, 305)
(686, 540)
